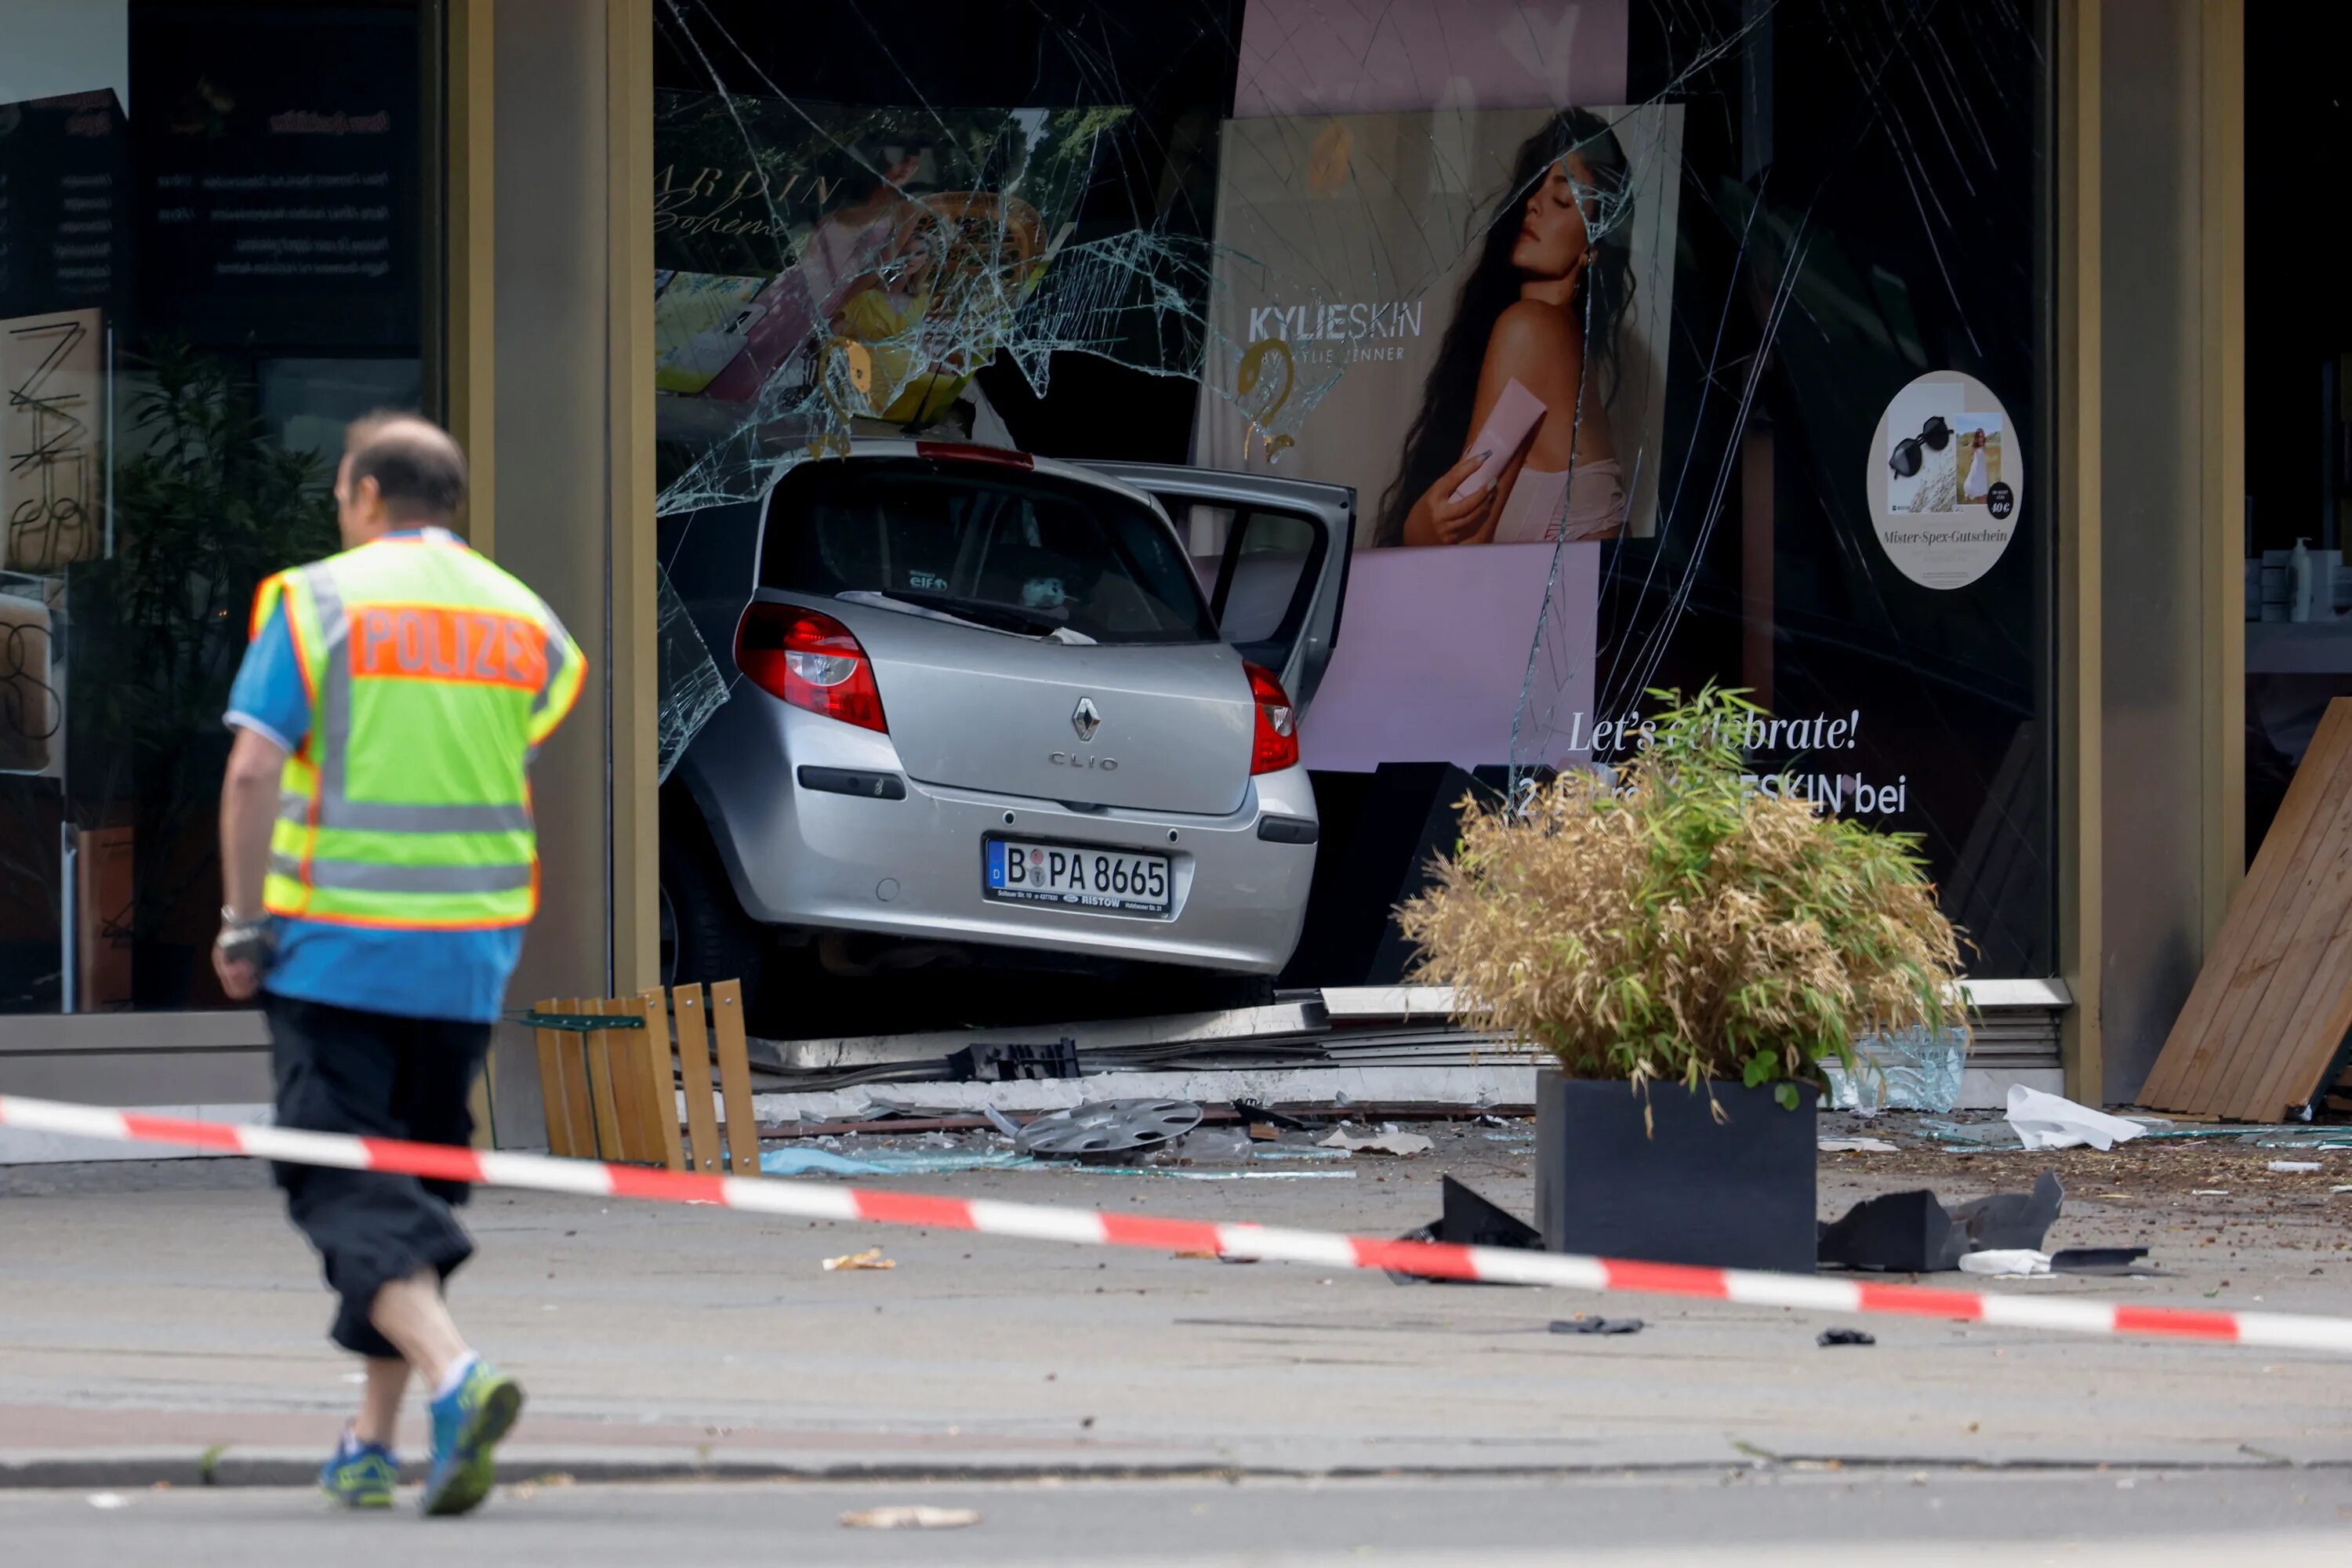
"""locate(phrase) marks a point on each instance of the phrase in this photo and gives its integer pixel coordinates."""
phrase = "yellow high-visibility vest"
(431, 676)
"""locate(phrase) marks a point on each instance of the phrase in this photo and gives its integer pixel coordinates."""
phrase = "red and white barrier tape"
(1503, 1266)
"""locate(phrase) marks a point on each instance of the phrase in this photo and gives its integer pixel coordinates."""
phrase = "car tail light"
(1277, 723)
(810, 660)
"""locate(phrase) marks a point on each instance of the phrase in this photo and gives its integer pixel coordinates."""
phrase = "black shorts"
(342, 1071)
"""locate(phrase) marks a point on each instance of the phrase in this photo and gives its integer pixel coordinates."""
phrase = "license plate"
(1077, 878)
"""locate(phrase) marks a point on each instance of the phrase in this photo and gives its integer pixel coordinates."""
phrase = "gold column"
(2222, 370)
(2081, 866)
(636, 676)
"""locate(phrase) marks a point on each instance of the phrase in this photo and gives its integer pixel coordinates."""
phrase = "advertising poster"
(905, 239)
(1463, 315)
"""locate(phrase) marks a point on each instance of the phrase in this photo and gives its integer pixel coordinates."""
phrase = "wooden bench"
(613, 1093)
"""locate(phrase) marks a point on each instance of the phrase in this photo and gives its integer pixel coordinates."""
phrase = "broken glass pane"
(692, 689)
(1724, 381)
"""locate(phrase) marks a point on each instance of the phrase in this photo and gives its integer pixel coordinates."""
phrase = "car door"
(1273, 554)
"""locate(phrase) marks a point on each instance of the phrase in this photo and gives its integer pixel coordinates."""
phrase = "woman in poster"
(1978, 486)
(1513, 441)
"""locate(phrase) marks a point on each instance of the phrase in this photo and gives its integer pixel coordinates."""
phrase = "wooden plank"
(2234, 1051)
(2307, 1024)
(661, 1093)
(600, 1085)
(2308, 1037)
(735, 1076)
(552, 1092)
(2277, 965)
(2198, 1039)
(579, 1102)
(641, 1139)
(693, 1075)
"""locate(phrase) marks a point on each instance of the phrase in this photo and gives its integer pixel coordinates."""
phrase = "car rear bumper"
(906, 858)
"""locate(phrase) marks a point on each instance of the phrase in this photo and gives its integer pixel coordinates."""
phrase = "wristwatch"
(243, 940)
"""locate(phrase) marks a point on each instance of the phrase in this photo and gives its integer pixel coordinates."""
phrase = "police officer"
(379, 867)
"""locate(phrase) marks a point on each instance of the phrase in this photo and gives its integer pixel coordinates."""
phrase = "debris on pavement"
(911, 1516)
(1844, 1337)
(2113, 1261)
(1859, 1146)
(1468, 1218)
(2295, 1167)
(1913, 1233)
(1001, 1062)
(1101, 1129)
(2008, 1263)
(1253, 1110)
(870, 1258)
(1918, 1069)
(2053, 1122)
(1580, 1324)
(802, 1160)
(1387, 1142)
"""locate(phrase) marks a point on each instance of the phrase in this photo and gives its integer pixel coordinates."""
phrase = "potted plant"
(1686, 945)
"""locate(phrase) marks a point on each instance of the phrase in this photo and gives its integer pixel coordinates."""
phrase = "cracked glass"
(1623, 321)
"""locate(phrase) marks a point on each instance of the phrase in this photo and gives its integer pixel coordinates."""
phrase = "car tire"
(706, 936)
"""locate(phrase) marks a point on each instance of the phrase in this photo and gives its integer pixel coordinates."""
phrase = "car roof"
(981, 452)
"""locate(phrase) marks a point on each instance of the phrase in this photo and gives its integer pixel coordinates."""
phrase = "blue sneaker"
(360, 1475)
(467, 1423)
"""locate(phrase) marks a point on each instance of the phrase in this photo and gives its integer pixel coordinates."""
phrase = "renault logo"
(1086, 719)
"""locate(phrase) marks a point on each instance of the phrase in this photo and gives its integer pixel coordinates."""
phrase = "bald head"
(398, 471)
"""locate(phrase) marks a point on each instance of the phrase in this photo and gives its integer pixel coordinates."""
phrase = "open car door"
(1272, 555)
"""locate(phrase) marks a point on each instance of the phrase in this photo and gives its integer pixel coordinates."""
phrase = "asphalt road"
(2274, 1517)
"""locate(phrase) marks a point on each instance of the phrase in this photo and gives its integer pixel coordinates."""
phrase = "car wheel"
(705, 935)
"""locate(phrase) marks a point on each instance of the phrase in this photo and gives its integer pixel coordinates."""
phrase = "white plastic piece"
(2007, 1263)
(2053, 1122)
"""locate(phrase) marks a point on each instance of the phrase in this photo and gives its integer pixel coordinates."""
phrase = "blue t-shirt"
(459, 975)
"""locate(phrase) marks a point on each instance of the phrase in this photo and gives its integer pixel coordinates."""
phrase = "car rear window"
(1018, 550)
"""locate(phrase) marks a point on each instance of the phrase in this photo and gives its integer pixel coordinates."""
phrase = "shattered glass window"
(1659, 342)
(691, 686)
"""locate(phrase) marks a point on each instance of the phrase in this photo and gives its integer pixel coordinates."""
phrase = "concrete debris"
(1390, 1141)
(911, 1516)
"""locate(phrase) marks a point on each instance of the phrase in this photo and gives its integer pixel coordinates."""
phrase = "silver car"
(986, 700)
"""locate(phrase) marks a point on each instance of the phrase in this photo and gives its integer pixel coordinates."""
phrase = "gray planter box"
(1733, 1194)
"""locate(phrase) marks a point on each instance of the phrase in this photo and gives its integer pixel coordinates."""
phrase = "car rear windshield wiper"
(975, 613)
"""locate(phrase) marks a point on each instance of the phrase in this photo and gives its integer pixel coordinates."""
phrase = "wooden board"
(2186, 1068)
(693, 1075)
(2259, 1033)
(641, 1139)
(563, 1085)
(735, 1077)
(600, 1085)
(661, 1092)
